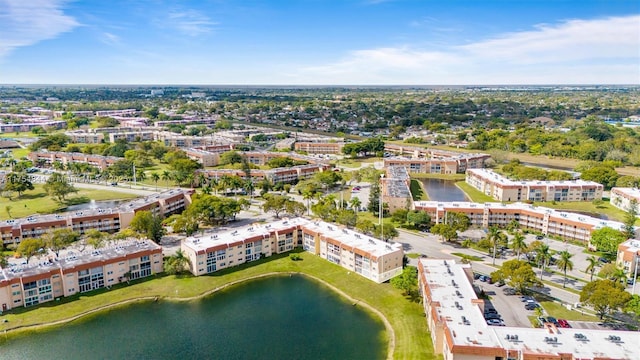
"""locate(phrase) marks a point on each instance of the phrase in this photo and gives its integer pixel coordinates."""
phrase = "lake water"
(274, 318)
(443, 190)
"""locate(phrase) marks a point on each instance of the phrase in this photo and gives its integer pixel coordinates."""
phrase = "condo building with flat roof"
(374, 259)
(503, 189)
(77, 272)
(12, 231)
(548, 221)
(427, 160)
(628, 257)
(396, 192)
(622, 198)
(459, 331)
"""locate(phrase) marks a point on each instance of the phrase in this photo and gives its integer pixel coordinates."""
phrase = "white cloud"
(574, 51)
(27, 22)
(191, 22)
(110, 39)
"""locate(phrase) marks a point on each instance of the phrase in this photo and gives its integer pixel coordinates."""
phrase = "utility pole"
(381, 207)
(134, 174)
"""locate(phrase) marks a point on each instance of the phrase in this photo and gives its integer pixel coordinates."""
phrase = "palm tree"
(619, 275)
(591, 268)
(155, 177)
(166, 176)
(518, 244)
(543, 256)
(355, 203)
(495, 236)
(565, 264)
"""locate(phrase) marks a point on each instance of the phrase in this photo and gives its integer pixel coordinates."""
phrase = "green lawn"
(413, 255)
(468, 257)
(19, 153)
(18, 134)
(348, 163)
(473, 194)
(560, 312)
(412, 340)
(417, 191)
(37, 202)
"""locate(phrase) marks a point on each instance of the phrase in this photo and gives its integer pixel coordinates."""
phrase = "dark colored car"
(553, 320)
(531, 306)
(603, 260)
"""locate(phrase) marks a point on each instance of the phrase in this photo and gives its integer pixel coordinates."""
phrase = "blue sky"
(320, 42)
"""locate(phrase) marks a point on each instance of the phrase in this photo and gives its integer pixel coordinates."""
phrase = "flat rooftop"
(633, 193)
(348, 237)
(495, 206)
(502, 180)
(70, 258)
(450, 287)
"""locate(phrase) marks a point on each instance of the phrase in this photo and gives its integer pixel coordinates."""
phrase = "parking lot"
(509, 307)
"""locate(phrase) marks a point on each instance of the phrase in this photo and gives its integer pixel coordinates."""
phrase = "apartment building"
(548, 221)
(28, 125)
(49, 157)
(504, 189)
(12, 231)
(376, 260)
(622, 198)
(285, 175)
(85, 137)
(446, 159)
(77, 272)
(132, 136)
(396, 192)
(423, 165)
(629, 257)
(110, 113)
(319, 147)
(458, 330)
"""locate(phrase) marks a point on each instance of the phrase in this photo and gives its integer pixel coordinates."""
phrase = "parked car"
(492, 316)
(490, 311)
(603, 260)
(541, 320)
(531, 306)
(553, 320)
(500, 283)
(476, 276)
(525, 298)
(495, 322)
(509, 291)
(539, 237)
(563, 323)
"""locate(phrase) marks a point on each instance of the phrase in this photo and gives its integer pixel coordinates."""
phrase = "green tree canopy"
(148, 224)
(605, 296)
(407, 280)
(517, 274)
(58, 187)
(607, 239)
(30, 247)
(418, 218)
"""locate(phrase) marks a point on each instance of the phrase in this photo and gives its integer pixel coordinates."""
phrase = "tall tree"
(517, 274)
(495, 237)
(58, 187)
(518, 243)
(630, 220)
(30, 247)
(543, 256)
(18, 182)
(155, 177)
(148, 224)
(591, 268)
(607, 239)
(60, 239)
(605, 296)
(565, 263)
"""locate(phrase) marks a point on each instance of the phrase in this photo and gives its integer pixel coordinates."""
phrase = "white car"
(495, 322)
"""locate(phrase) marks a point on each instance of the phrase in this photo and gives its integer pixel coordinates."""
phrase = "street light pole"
(381, 208)
(635, 276)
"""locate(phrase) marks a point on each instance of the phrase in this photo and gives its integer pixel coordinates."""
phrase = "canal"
(443, 190)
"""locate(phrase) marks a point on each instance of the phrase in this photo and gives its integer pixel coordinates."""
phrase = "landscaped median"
(411, 339)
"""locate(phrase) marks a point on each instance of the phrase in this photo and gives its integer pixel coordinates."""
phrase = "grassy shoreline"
(406, 319)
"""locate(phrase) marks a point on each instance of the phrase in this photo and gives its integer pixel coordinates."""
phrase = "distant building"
(374, 259)
(503, 189)
(622, 198)
(396, 192)
(548, 221)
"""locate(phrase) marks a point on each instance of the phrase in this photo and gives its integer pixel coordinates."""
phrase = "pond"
(443, 190)
(94, 205)
(281, 317)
